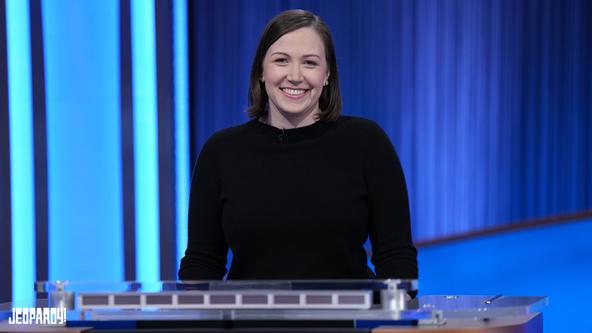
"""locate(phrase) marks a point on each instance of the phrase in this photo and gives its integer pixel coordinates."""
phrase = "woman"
(296, 191)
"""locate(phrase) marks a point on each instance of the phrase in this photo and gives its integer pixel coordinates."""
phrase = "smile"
(294, 93)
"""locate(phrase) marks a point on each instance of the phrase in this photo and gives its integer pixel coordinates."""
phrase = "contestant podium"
(281, 306)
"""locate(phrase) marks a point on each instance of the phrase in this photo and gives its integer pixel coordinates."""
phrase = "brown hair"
(286, 22)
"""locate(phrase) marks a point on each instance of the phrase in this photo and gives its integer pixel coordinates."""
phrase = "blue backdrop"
(487, 102)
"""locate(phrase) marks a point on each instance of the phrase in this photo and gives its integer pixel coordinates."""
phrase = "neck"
(286, 120)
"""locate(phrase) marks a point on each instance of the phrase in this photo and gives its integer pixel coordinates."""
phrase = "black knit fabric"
(299, 204)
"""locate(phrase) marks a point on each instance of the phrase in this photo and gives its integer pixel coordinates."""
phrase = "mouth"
(294, 93)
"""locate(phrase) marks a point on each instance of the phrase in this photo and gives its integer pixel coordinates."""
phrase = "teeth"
(294, 91)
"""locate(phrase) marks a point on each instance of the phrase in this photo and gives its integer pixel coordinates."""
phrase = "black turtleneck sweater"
(299, 204)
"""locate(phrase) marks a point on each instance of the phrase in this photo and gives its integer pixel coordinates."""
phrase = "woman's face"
(294, 73)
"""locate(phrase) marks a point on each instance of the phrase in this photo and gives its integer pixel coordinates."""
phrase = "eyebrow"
(304, 56)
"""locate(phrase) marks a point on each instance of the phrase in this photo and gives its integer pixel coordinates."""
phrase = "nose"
(294, 74)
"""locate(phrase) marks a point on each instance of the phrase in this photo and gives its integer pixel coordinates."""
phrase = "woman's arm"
(393, 253)
(205, 257)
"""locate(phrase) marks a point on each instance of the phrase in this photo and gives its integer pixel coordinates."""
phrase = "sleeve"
(205, 257)
(393, 252)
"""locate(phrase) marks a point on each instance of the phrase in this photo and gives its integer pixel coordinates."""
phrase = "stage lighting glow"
(181, 123)
(21, 149)
(82, 88)
(145, 140)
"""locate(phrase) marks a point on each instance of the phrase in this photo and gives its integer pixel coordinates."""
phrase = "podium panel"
(269, 306)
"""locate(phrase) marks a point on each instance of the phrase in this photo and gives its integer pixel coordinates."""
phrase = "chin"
(294, 112)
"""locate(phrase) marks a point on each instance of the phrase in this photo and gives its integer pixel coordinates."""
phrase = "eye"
(281, 61)
(310, 63)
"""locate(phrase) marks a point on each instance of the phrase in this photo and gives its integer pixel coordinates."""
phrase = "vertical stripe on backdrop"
(166, 137)
(182, 162)
(39, 141)
(81, 56)
(5, 211)
(21, 149)
(127, 142)
(145, 139)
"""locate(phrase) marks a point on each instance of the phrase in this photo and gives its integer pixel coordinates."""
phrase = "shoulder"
(223, 142)
(228, 137)
(359, 123)
(362, 128)
(369, 136)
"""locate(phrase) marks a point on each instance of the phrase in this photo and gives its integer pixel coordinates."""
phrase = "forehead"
(300, 41)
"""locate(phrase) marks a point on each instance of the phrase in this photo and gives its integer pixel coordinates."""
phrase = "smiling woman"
(295, 72)
(295, 52)
(296, 191)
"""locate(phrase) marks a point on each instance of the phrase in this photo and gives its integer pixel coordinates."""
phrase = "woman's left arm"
(393, 252)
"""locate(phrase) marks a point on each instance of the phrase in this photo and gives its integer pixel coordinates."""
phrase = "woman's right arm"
(205, 257)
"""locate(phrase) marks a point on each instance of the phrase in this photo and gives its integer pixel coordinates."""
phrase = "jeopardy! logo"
(38, 316)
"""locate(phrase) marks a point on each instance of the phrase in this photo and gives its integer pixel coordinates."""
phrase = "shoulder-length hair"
(283, 23)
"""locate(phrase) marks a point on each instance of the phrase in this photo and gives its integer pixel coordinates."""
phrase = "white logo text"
(38, 316)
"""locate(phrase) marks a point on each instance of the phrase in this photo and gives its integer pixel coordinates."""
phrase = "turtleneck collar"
(291, 135)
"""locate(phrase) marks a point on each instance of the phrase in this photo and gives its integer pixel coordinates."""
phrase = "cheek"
(271, 74)
(318, 79)
(319, 82)
(268, 87)
(268, 80)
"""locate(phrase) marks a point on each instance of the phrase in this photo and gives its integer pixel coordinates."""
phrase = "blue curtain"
(488, 103)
